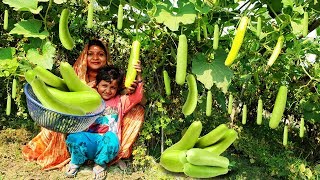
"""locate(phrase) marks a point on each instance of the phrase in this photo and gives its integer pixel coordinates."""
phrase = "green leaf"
(215, 72)
(299, 9)
(311, 112)
(297, 26)
(287, 3)
(172, 17)
(254, 29)
(43, 58)
(33, 43)
(8, 67)
(24, 5)
(7, 53)
(29, 28)
(202, 7)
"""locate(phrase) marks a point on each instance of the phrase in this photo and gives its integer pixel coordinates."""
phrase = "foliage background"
(32, 38)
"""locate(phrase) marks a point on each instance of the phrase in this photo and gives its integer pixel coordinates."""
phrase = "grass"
(13, 166)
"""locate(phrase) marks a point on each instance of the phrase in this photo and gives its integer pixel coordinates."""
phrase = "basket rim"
(27, 85)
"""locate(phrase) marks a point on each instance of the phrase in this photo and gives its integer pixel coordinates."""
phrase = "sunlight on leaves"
(43, 58)
(287, 3)
(172, 17)
(204, 78)
(298, 9)
(29, 28)
(215, 72)
(8, 67)
(24, 5)
(297, 26)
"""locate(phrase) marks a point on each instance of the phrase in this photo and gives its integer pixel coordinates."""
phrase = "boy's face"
(107, 90)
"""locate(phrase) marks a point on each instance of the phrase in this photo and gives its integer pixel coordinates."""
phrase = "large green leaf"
(311, 111)
(24, 5)
(215, 72)
(43, 58)
(201, 6)
(29, 28)
(7, 53)
(172, 17)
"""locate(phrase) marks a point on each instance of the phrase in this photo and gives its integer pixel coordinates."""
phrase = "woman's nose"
(95, 56)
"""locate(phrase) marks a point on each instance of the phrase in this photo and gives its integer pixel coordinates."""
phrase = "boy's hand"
(135, 83)
(132, 88)
(138, 66)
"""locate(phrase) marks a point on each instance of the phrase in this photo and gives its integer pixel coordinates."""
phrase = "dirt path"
(13, 166)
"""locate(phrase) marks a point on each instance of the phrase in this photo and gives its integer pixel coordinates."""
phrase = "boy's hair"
(109, 73)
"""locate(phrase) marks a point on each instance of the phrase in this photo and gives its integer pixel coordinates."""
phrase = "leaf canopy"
(30, 28)
(215, 72)
(24, 5)
(172, 17)
(43, 58)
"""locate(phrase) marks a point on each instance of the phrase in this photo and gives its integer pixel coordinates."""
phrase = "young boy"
(100, 142)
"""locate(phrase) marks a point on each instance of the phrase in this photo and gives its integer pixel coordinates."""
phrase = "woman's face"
(107, 90)
(96, 57)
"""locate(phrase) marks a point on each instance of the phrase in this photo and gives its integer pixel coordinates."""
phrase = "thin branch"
(305, 71)
(45, 17)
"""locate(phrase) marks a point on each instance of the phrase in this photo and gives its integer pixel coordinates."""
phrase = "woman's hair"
(96, 42)
(110, 73)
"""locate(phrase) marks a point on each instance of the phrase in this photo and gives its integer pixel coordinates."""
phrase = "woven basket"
(56, 121)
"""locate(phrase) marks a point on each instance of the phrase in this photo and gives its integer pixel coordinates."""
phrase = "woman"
(86, 67)
(49, 149)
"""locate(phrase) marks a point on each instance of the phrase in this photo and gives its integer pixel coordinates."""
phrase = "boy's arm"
(130, 100)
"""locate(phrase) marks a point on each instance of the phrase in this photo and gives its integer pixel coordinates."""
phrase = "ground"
(13, 166)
